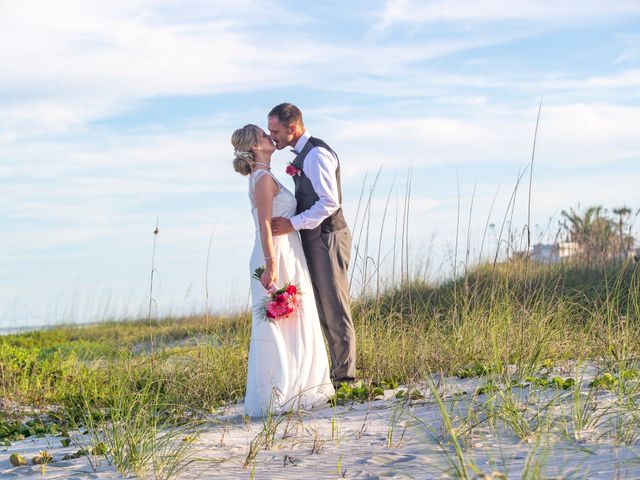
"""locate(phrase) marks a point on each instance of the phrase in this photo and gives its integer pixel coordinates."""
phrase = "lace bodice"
(284, 203)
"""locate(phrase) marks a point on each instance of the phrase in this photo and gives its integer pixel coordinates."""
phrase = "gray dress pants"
(328, 257)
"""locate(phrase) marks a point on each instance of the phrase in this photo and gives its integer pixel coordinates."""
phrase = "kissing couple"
(302, 239)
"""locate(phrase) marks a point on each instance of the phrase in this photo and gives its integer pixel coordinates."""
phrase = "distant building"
(545, 253)
(568, 249)
(550, 253)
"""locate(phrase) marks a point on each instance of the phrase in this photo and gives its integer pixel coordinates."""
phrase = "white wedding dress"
(288, 364)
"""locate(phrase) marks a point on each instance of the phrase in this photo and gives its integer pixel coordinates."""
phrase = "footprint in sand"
(386, 460)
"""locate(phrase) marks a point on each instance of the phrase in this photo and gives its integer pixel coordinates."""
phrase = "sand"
(398, 438)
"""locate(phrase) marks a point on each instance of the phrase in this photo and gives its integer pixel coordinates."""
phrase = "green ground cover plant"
(569, 312)
(128, 383)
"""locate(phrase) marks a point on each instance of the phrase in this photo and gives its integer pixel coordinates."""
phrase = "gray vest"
(306, 195)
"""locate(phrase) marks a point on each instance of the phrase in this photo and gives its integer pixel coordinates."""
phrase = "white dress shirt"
(320, 167)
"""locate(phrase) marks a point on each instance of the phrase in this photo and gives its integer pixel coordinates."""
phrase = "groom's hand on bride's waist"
(281, 226)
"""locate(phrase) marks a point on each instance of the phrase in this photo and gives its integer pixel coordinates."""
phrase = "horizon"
(120, 113)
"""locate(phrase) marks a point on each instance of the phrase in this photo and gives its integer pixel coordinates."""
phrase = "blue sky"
(113, 113)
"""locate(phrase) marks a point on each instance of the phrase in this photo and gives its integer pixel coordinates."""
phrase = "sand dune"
(395, 438)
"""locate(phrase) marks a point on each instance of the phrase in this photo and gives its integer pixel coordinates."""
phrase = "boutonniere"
(292, 170)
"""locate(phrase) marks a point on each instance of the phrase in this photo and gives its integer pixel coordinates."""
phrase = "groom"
(326, 239)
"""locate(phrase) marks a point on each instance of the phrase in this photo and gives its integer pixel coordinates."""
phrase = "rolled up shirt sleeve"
(320, 167)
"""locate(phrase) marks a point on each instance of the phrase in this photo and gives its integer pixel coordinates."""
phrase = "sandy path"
(386, 438)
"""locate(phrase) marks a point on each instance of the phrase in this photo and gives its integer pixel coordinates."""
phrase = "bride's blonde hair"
(242, 140)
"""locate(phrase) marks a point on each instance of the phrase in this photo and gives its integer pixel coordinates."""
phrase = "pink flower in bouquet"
(275, 310)
(292, 170)
(281, 302)
(291, 302)
(272, 310)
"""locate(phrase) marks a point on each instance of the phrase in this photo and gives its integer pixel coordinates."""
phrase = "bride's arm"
(264, 192)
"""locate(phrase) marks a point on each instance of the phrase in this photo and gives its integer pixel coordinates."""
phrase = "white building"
(551, 253)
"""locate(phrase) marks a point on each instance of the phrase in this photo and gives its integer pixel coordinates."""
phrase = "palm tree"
(580, 227)
(622, 213)
(591, 231)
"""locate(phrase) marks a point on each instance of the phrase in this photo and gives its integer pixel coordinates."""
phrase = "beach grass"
(140, 388)
(499, 317)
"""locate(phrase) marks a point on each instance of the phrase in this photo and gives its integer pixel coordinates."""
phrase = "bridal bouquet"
(279, 303)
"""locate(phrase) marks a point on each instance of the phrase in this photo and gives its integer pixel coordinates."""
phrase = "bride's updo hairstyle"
(242, 140)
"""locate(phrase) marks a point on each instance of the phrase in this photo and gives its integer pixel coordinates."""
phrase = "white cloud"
(100, 182)
(71, 62)
(631, 43)
(569, 136)
(582, 134)
(143, 48)
(413, 11)
(29, 118)
(78, 193)
(624, 79)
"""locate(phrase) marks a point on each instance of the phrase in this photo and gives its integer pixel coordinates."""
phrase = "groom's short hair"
(287, 113)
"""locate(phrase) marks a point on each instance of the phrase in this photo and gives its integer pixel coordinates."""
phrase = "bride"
(288, 364)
